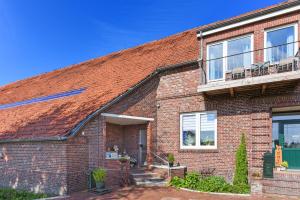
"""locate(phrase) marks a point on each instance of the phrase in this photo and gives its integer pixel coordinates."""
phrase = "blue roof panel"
(43, 99)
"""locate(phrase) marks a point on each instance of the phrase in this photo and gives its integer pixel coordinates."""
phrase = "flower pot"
(282, 168)
(100, 185)
(171, 164)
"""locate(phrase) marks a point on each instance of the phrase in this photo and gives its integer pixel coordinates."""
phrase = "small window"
(198, 130)
(280, 43)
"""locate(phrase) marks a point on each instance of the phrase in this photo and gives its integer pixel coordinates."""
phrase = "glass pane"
(207, 129)
(279, 41)
(275, 134)
(292, 135)
(240, 47)
(189, 130)
(215, 62)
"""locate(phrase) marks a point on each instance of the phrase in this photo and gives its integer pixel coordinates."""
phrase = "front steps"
(148, 178)
(283, 183)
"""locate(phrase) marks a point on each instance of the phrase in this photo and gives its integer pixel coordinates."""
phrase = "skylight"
(43, 99)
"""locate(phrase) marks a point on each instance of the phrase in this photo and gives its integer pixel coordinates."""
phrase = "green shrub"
(99, 175)
(177, 182)
(192, 180)
(213, 184)
(11, 194)
(241, 189)
(195, 181)
(171, 158)
(241, 164)
(285, 164)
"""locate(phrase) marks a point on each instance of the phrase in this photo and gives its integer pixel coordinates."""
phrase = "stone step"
(288, 176)
(145, 175)
(148, 179)
(281, 191)
(282, 184)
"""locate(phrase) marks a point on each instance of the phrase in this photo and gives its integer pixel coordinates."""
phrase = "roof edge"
(249, 16)
(81, 124)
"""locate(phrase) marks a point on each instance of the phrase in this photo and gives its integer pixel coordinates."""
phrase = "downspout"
(200, 60)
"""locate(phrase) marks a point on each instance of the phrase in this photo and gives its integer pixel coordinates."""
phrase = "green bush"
(195, 181)
(99, 175)
(171, 158)
(192, 180)
(11, 194)
(241, 164)
(213, 184)
(177, 182)
(285, 164)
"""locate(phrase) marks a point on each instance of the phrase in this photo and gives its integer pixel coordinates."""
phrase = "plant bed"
(216, 184)
(11, 194)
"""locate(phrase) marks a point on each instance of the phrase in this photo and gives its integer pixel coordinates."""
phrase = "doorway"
(142, 147)
(286, 133)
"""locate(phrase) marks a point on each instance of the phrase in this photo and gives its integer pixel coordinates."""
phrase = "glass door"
(290, 142)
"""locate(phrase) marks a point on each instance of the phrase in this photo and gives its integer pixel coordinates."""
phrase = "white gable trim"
(249, 21)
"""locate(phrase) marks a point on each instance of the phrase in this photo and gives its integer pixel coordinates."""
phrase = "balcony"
(266, 68)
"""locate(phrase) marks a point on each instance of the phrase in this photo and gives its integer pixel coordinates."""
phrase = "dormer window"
(280, 43)
(228, 55)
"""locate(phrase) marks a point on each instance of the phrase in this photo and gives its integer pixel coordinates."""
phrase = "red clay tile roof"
(104, 78)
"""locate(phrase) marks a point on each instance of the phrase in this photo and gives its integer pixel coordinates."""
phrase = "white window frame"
(198, 146)
(225, 54)
(295, 25)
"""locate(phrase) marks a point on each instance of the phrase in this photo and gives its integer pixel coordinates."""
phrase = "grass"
(11, 194)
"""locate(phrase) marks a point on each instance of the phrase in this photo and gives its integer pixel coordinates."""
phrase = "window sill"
(198, 151)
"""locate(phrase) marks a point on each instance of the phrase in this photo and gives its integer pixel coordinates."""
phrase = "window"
(228, 55)
(198, 130)
(280, 43)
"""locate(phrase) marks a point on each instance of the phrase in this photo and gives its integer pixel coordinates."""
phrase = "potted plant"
(99, 176)
(256, 175)
(171, 159)
(284, 165)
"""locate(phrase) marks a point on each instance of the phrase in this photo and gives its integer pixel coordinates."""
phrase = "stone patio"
(164, 193)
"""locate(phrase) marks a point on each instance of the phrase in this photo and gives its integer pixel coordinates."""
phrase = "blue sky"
(38, 36)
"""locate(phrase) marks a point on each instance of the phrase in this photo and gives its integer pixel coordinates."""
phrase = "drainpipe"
(200, 60)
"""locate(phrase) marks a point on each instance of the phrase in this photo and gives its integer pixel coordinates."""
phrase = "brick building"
(191, 94)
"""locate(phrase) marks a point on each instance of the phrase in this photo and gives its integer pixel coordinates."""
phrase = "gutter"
(251, 18)
(81, 124)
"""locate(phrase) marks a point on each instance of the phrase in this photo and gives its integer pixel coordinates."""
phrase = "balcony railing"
(267, 61)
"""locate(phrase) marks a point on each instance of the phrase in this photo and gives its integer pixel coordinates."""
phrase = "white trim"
(198, 146)
(249, 21)
(225, 53)
(126, 117)
(295, 25)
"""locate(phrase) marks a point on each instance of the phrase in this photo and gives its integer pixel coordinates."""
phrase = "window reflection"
(292, 135)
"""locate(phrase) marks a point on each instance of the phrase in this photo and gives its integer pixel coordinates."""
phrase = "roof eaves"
(247, 17)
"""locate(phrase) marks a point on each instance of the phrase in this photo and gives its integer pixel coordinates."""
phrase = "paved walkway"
(155, 193)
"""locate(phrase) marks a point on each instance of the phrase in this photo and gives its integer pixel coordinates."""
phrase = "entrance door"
(142, 147)
(286, 133)
(290, 142)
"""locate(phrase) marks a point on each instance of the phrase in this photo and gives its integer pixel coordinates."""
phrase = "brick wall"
(247, 112)
(47, 167)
